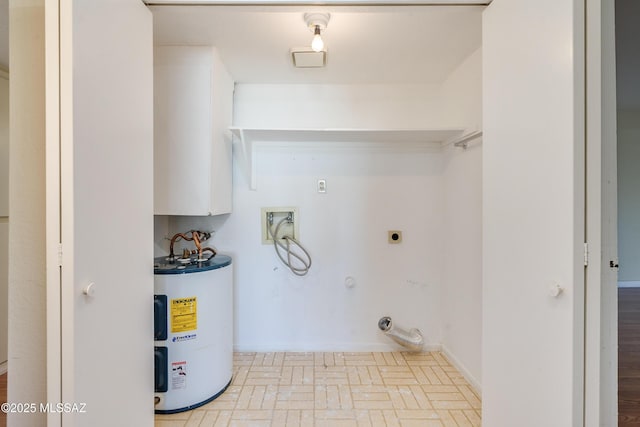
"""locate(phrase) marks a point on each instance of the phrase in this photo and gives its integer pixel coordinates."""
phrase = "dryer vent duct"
(411, 339)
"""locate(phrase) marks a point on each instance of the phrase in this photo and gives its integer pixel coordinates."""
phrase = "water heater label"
(184, 314)
(178, 375)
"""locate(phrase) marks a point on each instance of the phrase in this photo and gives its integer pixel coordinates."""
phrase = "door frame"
(601, 310)
(53, 236)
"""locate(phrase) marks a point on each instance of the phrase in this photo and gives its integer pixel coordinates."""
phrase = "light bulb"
(317, 44)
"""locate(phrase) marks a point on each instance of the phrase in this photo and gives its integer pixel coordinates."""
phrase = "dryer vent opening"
(412, 340)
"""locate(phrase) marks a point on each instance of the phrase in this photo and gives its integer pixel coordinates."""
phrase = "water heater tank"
(193, 332)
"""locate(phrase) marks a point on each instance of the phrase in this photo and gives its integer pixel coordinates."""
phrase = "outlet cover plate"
(395, 236)
(322, 186)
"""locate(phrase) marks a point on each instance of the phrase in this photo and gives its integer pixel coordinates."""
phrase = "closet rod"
(463, 141)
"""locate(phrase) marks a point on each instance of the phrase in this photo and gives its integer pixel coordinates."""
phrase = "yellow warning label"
(184, 314)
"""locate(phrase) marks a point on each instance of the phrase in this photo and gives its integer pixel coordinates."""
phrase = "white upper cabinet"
(193, 100)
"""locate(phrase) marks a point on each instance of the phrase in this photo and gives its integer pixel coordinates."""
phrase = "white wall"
(370, 190)
(27, 326)
(337, 106)
(462, 94)
(462, 275)
(628, 196)
(345, 230)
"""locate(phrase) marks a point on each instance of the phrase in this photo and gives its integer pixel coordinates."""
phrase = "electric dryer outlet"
(287, 219)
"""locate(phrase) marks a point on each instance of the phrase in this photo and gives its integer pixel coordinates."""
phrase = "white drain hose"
(411, 339)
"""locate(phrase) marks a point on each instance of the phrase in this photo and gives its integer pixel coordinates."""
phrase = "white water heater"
(193, 331)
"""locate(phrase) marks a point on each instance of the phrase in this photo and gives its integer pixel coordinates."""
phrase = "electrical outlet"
(287, 217)
(322, 186)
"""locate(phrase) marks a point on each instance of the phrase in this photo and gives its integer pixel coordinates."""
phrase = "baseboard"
(463, 370)
(332, 347)
(629, 284)
(4, 367)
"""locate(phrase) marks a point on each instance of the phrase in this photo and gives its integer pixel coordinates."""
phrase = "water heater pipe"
(411, 339)
(197, 237)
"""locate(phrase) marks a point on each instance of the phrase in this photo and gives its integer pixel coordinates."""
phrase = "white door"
(533, 213)
(106, 123)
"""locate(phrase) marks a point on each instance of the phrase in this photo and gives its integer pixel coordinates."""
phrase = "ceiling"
(365, 44)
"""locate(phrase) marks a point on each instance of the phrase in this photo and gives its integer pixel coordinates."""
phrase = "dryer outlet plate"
(270, 217)
(394, 236)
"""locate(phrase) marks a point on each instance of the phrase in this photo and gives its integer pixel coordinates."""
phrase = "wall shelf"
(246, 138)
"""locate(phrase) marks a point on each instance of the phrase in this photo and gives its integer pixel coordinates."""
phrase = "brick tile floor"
(338, 389)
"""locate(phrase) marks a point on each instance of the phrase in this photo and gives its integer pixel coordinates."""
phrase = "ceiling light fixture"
(317, 22)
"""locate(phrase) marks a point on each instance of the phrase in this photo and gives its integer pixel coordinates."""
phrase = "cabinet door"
(533, 213)
(182, 130)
